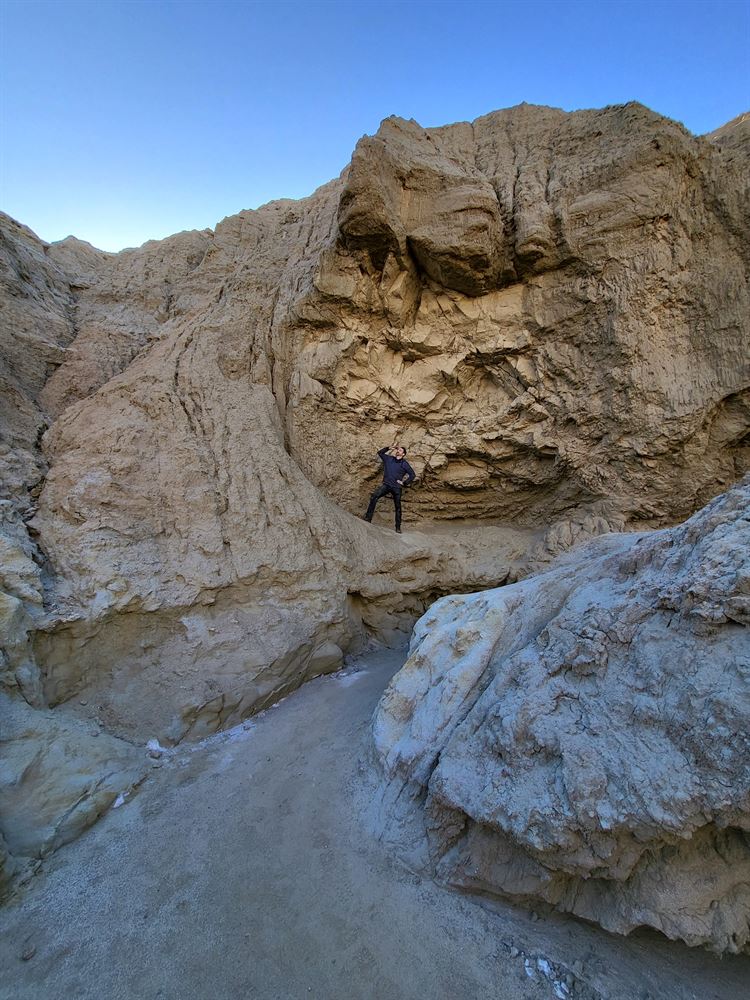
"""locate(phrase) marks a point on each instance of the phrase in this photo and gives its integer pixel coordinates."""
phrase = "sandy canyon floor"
(243, 869)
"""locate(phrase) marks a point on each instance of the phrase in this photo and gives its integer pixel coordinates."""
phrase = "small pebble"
(569, 980)
(514, 952)
(28, 953)
(534, 915)
(83, 701)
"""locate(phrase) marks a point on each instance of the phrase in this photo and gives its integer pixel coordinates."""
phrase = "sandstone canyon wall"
(550, 309)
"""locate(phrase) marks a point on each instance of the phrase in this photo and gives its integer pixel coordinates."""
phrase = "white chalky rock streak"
(582, 736)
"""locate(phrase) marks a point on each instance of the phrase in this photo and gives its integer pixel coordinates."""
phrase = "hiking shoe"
(398, 531)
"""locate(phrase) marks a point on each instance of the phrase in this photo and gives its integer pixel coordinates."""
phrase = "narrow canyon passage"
(243, 868)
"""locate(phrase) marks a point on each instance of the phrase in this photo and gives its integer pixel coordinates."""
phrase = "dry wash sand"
(243, 869)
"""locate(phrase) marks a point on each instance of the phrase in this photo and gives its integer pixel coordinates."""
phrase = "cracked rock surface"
(580, 737)
(549, 309)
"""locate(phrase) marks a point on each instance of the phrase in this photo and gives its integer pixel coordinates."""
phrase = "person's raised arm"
(389, 448)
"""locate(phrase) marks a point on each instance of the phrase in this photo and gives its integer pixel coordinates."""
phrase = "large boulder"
(58, 774)
(581, 737)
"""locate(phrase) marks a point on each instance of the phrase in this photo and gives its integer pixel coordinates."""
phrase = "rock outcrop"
(580, 737)
(539, 294)
(550, 309)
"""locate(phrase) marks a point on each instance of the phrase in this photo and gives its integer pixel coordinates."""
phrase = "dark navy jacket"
(395, 469)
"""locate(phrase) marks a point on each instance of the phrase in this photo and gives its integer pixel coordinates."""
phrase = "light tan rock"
(56, 777)
(580, 737)
(183, 535)
(36, 325)
(124, 303)
(595, 352)
(550, 310)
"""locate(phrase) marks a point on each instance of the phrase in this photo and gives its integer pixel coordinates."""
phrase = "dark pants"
(383, 491)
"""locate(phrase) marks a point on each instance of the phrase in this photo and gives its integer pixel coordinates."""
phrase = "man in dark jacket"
(396, 473)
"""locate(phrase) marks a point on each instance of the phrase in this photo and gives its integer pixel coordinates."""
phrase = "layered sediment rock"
(545, 313)
(580, 737)
(550, 310)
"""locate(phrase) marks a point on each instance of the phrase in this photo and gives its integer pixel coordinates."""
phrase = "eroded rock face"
(550, 310)
(535, 297)
(36, 326)
(57, 775)
(580, 737)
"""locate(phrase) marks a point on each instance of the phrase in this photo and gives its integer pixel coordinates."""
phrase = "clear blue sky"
(127, 121)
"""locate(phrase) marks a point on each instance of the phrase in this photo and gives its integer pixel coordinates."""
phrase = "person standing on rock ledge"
(396, 473)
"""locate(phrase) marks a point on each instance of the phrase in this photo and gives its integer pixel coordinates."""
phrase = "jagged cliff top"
(732, 133)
